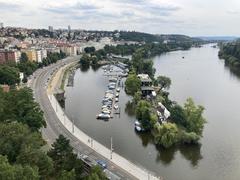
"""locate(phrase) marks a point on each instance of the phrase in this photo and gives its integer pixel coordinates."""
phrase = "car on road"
(102, 164)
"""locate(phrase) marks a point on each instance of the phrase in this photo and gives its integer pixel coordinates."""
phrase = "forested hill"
(230, 52)
(140, 36)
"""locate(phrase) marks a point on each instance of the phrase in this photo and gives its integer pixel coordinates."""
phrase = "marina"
(111, 97)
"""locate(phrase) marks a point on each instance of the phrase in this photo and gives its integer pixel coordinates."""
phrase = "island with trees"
(184, 125)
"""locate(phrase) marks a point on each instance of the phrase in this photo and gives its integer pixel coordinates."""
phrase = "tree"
(24, 57)
(89, 49)
(20, 106)
(166, 134)
(9, 75)
(178, 115)
(137, 97)
(15, 137)
(37, 158)
(64, 158)
(96, 174)
(144, 114)
(194, 117)
(85, 60)
(16, 172)
(132, 84)
(163, 81)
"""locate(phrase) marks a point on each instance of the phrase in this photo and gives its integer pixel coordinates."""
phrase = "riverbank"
(118, 160)
(193, 162)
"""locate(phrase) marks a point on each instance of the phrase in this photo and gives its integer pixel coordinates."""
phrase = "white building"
(39, 56)
(1, 25)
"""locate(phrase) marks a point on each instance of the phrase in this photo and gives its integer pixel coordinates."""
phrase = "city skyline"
(195, 18)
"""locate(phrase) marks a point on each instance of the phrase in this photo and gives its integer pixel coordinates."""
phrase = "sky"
(189, 17)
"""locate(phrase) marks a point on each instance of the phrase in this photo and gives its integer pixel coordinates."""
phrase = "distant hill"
(218, 38)
(146, 37)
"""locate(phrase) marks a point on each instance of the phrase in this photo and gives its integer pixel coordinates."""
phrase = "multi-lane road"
(38, 82)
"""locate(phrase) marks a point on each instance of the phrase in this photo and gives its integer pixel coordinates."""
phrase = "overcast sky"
(190, 17)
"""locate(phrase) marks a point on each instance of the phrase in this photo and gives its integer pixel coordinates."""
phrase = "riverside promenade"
(134, 170)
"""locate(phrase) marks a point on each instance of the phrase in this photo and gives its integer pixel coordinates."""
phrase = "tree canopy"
(132, 84)
(9, 75)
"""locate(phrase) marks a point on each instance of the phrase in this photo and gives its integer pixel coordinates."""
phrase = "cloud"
(6, 6)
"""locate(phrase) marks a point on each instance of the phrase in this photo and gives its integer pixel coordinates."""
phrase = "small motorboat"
(103, 116)
(117, 95)
(138, 128)
(118, 89)
(115, 106)
(116, 99)
(106, 111)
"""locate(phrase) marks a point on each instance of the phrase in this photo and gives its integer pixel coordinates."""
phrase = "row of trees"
(231, 53)
(21, 144)
(9, 73)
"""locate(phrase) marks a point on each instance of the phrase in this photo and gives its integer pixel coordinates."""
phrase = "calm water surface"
(200, 75)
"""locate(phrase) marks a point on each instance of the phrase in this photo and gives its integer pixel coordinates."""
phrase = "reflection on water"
(200, 75)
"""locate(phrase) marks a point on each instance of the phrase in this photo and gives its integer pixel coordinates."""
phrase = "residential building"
(9, 56)
(32, 55)
(39, 56)
(146, 85)
(1, 25)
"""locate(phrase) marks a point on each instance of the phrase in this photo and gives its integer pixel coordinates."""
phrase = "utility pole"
(72, 125)
(111, 148)
(63, 118)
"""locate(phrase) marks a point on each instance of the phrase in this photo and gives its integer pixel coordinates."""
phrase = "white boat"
(138, 128)
(118, 89)
(137, 123)
(103, 116)
(116, 99)
(106, 111)
(117, 95)
(115, 106)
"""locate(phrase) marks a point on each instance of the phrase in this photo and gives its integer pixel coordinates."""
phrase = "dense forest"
(23, 152)
(230, 52)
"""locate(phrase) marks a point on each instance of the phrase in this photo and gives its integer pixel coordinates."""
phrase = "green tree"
(85, 60)
(178, 115)
(64, 158)
(137, 97)
(145, 115)
(15, 137)
(163, 81)
(89, 49)
(194, 117)
(9, 75)
(37, 158)
(20, 106)
(166, 134)
(96, 174)
(24, 57)
(16, 172)
(132, 84)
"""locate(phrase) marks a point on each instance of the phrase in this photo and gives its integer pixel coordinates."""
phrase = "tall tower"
(69, 28)
(1, 25)
(50, 28)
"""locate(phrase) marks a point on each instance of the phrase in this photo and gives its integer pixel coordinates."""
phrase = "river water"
(200, 75)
